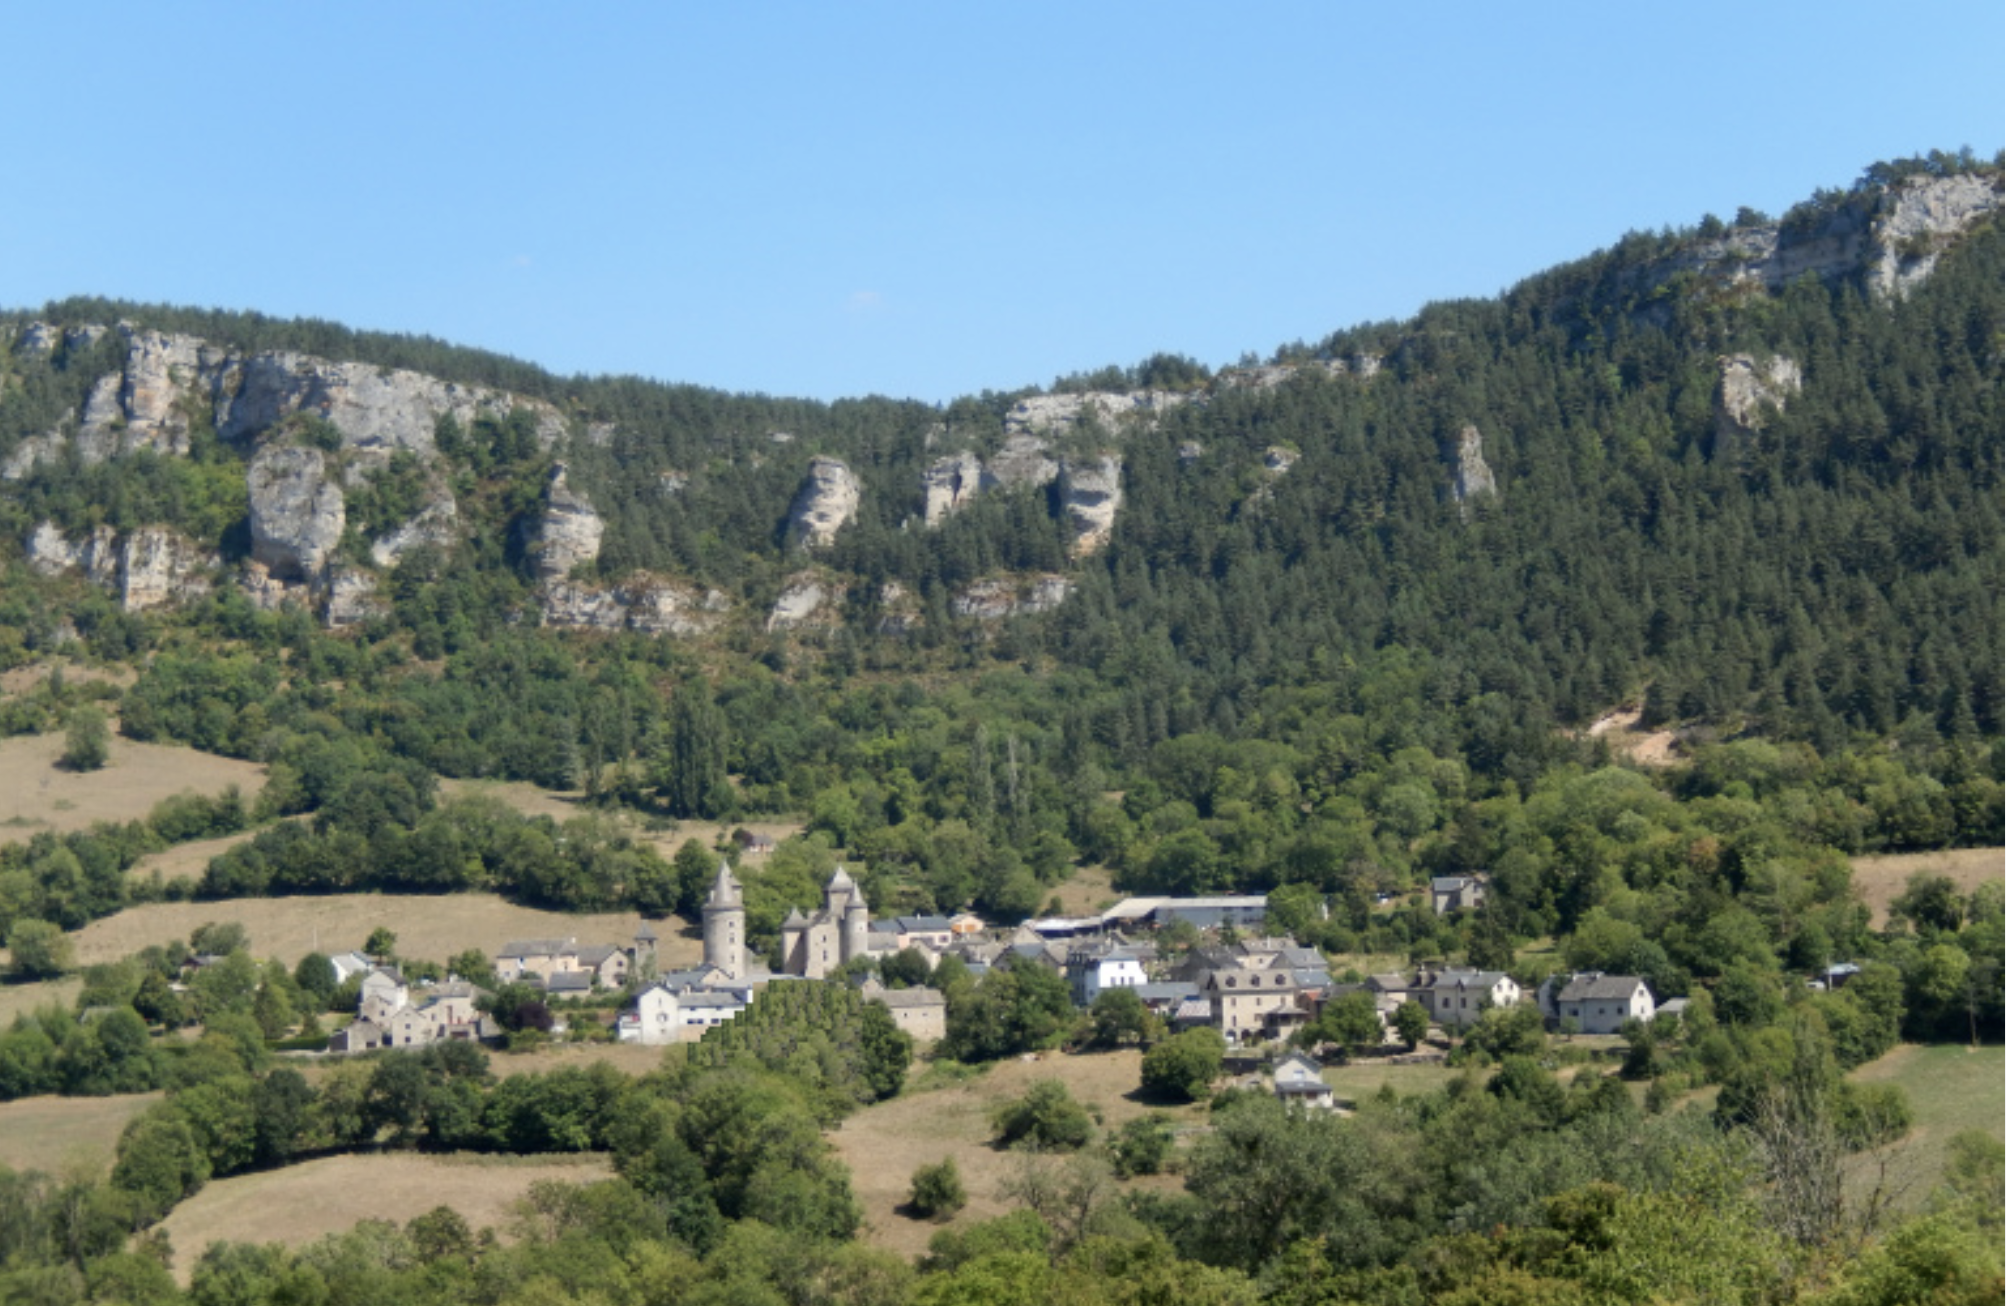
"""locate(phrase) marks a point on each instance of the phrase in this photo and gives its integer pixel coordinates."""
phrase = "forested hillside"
(1319, 626)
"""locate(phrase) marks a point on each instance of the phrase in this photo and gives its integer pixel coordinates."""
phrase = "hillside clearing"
(52, 1134)
(885, 1143)
(430, 927)
(20, 999)
(187, 861)
(37, 795)
(300, 1203)
(1951, 1088)
(1880, 880)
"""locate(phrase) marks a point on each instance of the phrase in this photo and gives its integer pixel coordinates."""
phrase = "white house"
(1299, 1079)
(1597, 1003)
(664, 1014)
(1095, 967)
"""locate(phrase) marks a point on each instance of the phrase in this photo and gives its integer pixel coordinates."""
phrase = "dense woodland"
(1325, 685)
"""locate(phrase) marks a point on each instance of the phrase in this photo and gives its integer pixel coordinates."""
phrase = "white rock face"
(378, 410)
(1919, 220)
(1277, 460)
(158, 567)
(297, 513)
(1473, 475)
(351, 597)
(1090, 495)
(998, 597)
(826, 502)
(1022, 461)
(1747, 390)
(800, 603)
(951, 484)
(49, 553)
(643, 603)
(1114, 410)
(437, 523)
(569, 533)
(1895, 236)
(1189, 452)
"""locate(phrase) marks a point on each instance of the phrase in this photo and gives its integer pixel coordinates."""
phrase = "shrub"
(1183, 1066)
(937, 1192)
(1046, 1117)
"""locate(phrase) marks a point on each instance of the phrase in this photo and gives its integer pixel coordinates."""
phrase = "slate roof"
(1597, 987)
(536, 947)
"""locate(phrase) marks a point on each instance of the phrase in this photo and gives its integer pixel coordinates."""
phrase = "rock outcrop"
(437, 524)
(1114, 410)
(1893, 237)
(378, 410)
(826, 502)
(1747, 391)
(568, 534)
(158, 567)
(1090, 496)
(1919, 219)
(950, 484)
(149, 566)
(297, 513)
(804, 601)
(1472, 475)
(1276, 459)
(998, 597)
(351, 597)
(647, 604)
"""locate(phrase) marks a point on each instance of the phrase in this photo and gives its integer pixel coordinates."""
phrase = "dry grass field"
(33, 676)
(187, 861)
(885, 1143)
(430, 927)
(19, 999)
(1880, 880)
(300, 1203)
(627, 1058)
(1088, 893)
(52, 1134)
(36, 794)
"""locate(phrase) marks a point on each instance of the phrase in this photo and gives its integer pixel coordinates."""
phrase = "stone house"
(1456, 998)
(1251, 1004)
(1454, 893)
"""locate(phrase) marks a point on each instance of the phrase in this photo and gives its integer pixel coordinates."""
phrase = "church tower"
(724, 925)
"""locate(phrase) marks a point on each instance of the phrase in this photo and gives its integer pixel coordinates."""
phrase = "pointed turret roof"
(794, 919)
(724, 891)
(841, 880)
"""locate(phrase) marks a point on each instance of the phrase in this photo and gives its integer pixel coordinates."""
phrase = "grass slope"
(51, 1134)
(37, 795)
(432, 927)
(1880, 880)
(1951, 1088)
(300, 1203)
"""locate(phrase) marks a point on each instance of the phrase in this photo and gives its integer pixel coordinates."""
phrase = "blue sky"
(923, 200)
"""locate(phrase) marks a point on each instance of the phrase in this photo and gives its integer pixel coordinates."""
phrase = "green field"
(1950, 1088)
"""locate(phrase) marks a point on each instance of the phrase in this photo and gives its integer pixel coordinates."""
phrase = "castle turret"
(856, 926)
(724, 925)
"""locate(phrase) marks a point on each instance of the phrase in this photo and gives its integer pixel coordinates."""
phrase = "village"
(1255, 989)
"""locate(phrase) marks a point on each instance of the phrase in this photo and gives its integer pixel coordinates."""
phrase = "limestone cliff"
(998, 597)
(1892, 237)
(950, 484)
(297, 513)
(378, 410)
(1747, 391)
(1472, 475)
(1090, 496)
(568, 534)
(825, 503)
